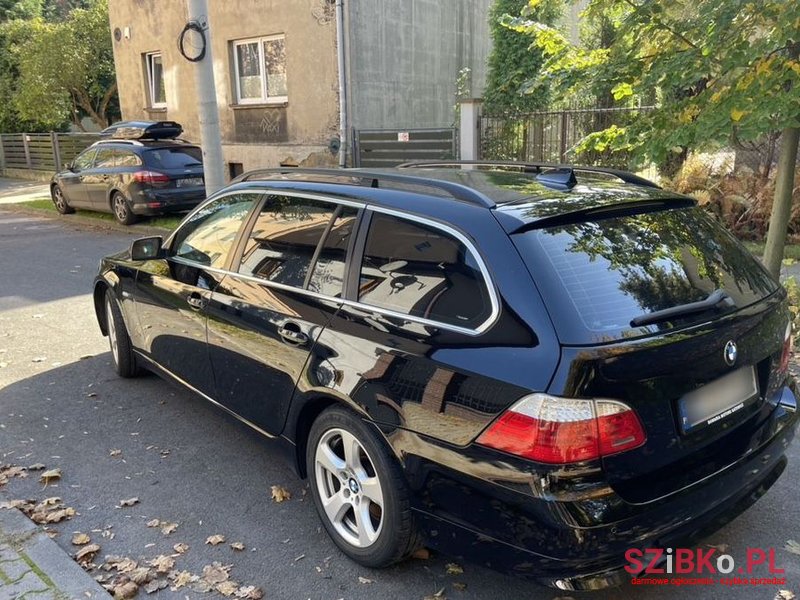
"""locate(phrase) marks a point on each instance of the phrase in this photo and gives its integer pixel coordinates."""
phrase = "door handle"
(290, 332)
(196, 301)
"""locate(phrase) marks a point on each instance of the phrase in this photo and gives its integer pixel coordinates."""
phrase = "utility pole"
(210, 137)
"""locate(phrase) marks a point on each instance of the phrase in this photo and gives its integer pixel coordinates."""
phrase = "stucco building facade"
(276, 70)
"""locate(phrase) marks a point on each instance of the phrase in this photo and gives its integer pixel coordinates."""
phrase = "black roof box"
(143, 130)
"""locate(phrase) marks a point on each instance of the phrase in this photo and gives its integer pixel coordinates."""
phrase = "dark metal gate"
(391, 147)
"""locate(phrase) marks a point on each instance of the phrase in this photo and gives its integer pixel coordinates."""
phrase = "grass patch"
(165, 222)
(791, 251)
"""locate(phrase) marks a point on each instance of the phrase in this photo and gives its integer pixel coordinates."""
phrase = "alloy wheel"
(120, 208)
(58, 197)
(349, 487)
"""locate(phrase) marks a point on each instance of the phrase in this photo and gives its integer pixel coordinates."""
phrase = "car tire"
(122, 209)
(122, 355)
(60, 201)
(361, 496)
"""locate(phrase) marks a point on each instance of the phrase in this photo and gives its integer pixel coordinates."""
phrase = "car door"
(71, 181)
(172, 293)
(421, 335)
(96, 179)
(264, 319)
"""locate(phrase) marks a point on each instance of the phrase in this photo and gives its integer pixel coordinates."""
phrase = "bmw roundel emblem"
(730, 353)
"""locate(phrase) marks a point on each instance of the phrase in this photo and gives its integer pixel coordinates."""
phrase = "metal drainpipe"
(340, 52)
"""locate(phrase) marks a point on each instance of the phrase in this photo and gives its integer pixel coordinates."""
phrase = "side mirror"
(68, 167)
(147, 248)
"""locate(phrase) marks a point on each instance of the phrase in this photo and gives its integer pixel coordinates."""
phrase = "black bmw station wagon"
(528, 367)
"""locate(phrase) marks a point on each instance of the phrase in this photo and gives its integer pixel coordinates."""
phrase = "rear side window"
(174, 158)
(300, 242)
(598, 276)
(419, 270)
(127, 159)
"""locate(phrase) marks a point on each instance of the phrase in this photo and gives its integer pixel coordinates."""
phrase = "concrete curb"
(34, 560)
(142, 230)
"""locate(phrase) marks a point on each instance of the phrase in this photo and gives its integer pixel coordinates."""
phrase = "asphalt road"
(189, 463)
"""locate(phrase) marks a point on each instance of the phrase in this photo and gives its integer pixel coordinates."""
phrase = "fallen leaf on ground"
(50, 475)
(162, 563)
(237, 545)
(215, 539)
(460, 586)
(125, 590)
(87, 552)
(792, 546)
(421, 554)
(785, 595)
(122, 564)
(155, 585)
(437, 596)
(37, 467)
(167, 528)
(180, 579)
(153, 523)
(141, 575)
(227, 588)
(180, 548)
(453, 569)
(115, 452)
(250, 592)
(216, 572)
(128, 502)
(280, 493)
(364, 580)
(80, 539)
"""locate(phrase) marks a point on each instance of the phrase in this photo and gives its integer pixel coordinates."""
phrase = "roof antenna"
(558, 179)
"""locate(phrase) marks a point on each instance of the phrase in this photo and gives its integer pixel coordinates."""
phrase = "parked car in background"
(535, 372)
(142, 169)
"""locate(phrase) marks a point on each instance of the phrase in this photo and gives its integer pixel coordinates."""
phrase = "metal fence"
(42, 152)
(551, 136)
(391, 147)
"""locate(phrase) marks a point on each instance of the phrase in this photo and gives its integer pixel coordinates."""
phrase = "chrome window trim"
(488, 281)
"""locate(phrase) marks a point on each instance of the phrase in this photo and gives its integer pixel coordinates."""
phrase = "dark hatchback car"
(152, 174)
(532, 372)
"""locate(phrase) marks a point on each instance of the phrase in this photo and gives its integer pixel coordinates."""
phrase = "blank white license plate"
(718, 399)
(190, 182)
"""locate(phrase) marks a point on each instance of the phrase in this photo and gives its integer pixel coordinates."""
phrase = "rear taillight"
(557, 430)
(150, 177)
(786, 352)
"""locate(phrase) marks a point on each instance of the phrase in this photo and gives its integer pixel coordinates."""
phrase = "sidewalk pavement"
(21, 190)
(32, 566)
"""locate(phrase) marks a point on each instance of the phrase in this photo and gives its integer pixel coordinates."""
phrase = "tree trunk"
(782, 202)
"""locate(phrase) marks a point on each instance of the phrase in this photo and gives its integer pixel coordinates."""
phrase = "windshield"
(598, 276)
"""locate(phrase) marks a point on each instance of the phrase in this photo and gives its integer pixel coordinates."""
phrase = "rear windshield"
(598, 276)
(174, 158)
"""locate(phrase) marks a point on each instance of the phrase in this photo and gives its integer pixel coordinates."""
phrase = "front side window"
(208, 236)
(260, 70)
(155, 80)
(84, 160)
(301, 243)
(418, 270)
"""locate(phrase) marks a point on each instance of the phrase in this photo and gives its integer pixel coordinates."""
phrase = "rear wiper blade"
(714, 300)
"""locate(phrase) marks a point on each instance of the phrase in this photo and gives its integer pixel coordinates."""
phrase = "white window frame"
(151, 89)
(264, 99)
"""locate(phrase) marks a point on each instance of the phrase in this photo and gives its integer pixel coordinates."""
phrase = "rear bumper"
(540, 538)
(158, 202)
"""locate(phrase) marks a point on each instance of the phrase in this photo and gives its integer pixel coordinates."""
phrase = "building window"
(155, 80)
(259, 67)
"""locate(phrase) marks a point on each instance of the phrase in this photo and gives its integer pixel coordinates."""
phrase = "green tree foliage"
(513, 61)
(57, 72)
(721, 70)
(20, 9)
